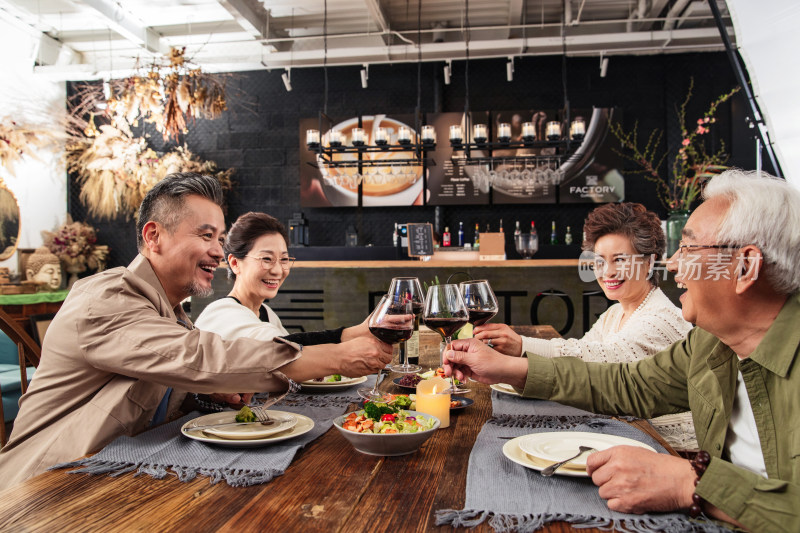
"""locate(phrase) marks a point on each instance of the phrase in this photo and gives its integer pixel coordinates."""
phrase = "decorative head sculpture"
(44, 268)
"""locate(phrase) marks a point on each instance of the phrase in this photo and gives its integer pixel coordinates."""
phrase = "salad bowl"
(388, 444)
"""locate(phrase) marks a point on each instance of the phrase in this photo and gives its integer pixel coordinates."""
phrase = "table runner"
(523, 500)
(163, 449)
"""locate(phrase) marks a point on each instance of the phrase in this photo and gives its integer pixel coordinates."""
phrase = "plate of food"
(197, 429)
(410, 381)
(505, 389)
(458, 402)
(332, 382)
(381, 429)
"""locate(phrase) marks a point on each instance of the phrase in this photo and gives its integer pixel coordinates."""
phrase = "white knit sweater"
(653, 327)
(231, 320)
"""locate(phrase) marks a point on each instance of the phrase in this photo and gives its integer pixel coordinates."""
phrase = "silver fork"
(261, 410)
(550, 470)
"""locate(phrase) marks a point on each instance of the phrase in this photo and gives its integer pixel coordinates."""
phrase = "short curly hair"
(632, 220)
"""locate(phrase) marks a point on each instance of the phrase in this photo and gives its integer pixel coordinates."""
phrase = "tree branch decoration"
(692, 165)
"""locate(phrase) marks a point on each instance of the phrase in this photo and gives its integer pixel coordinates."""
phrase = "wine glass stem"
(375, 391)
(403, 354)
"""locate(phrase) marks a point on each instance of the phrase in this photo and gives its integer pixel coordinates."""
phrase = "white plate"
(505, 389)
(557, 446)
(302, 425)
(514, 453)
(283, 422)
(333, 385)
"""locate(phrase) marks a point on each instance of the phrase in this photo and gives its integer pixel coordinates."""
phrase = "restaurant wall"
(259, 135)
(39, 178)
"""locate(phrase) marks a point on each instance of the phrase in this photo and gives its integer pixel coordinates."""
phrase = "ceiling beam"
(514, 16)
(380, 20)
(49, 51)
(124, 23)
(255, 20)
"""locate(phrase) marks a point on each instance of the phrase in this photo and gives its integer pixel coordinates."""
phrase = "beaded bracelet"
(699, 464)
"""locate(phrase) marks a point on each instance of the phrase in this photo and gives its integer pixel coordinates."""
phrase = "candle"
(428, 134)
(504, 132)
(455, 134)
(528, 131)
(312, 137)
(358, 136)
(335, 138)
(430, 402)
(381, 136)
(553, 130)
(578, 128)
(479, 133)
(403, 135)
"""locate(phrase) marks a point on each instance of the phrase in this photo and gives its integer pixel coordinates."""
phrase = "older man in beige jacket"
(121, 341)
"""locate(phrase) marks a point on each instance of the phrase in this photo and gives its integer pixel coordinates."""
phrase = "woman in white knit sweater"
(626, 240)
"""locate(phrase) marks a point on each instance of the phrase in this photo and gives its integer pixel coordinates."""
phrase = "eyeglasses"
(267, 262)
(683, 248)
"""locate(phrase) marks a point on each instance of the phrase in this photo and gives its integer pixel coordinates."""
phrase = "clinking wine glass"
(445, 313)
(480, 301)
(392, 322)
(411, 289)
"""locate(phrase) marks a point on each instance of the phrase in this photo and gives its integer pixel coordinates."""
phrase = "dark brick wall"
(259, 135)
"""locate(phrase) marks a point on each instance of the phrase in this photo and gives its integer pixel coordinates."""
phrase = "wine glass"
(480, 301)
(392, 322)
(411, 289)
(445, 313)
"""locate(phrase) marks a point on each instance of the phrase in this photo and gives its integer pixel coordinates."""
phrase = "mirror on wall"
(9, 222)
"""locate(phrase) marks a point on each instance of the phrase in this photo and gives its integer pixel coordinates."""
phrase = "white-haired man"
(738, 369)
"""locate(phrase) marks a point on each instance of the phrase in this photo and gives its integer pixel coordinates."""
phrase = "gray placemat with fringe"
(523, 500)
(162, 451)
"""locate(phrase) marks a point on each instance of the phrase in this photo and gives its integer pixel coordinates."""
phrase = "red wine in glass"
(445, 326)
(392, 335)
(479, 317)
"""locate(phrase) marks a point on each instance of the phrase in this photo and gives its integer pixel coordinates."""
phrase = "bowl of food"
(382, 429)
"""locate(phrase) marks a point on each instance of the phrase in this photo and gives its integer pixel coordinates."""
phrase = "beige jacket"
(108, 358)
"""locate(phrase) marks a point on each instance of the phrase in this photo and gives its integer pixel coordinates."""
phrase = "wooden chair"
(29, 355)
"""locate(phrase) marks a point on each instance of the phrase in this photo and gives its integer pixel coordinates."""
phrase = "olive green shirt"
(699, 373)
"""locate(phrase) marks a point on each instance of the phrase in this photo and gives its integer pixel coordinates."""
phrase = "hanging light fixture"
(447, 72)
(603, 65)
(510, 69)
(287, 79)
(364, 76)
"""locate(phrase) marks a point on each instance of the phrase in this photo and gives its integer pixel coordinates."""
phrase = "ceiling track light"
(447, 72)
(364, 76)
(510, 69)
(287, 79)
(603, 66)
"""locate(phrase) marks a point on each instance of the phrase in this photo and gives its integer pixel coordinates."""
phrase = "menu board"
(420, 239)
(451, 181)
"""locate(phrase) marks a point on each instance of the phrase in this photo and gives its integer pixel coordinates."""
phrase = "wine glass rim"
(474, 281)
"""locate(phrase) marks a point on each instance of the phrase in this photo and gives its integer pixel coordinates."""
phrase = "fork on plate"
(261, 410)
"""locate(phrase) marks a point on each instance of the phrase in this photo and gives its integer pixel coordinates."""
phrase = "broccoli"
(333, 378)
(376, 410)
(246, 415)
(402, 402)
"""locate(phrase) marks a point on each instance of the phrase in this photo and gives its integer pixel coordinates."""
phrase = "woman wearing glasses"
(259, 262)
(626, 241)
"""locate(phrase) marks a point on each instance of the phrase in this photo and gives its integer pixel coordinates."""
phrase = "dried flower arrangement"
(115, 169)
(692, 166)
(18, 140)
(75, 243)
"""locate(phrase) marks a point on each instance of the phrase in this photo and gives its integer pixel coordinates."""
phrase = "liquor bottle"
(477, 242)
(395, 236)
(412, 344)
(533, 229)
(568, 236)
(446, 236)
(460, 234)
(487, 228)
(517, 231)
(501, 225)
(553, 234)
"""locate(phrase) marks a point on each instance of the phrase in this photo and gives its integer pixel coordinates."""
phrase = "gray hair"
(164, 202)
(764, 211)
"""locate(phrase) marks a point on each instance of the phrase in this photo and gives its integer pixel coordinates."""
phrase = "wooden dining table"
(328, 487)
